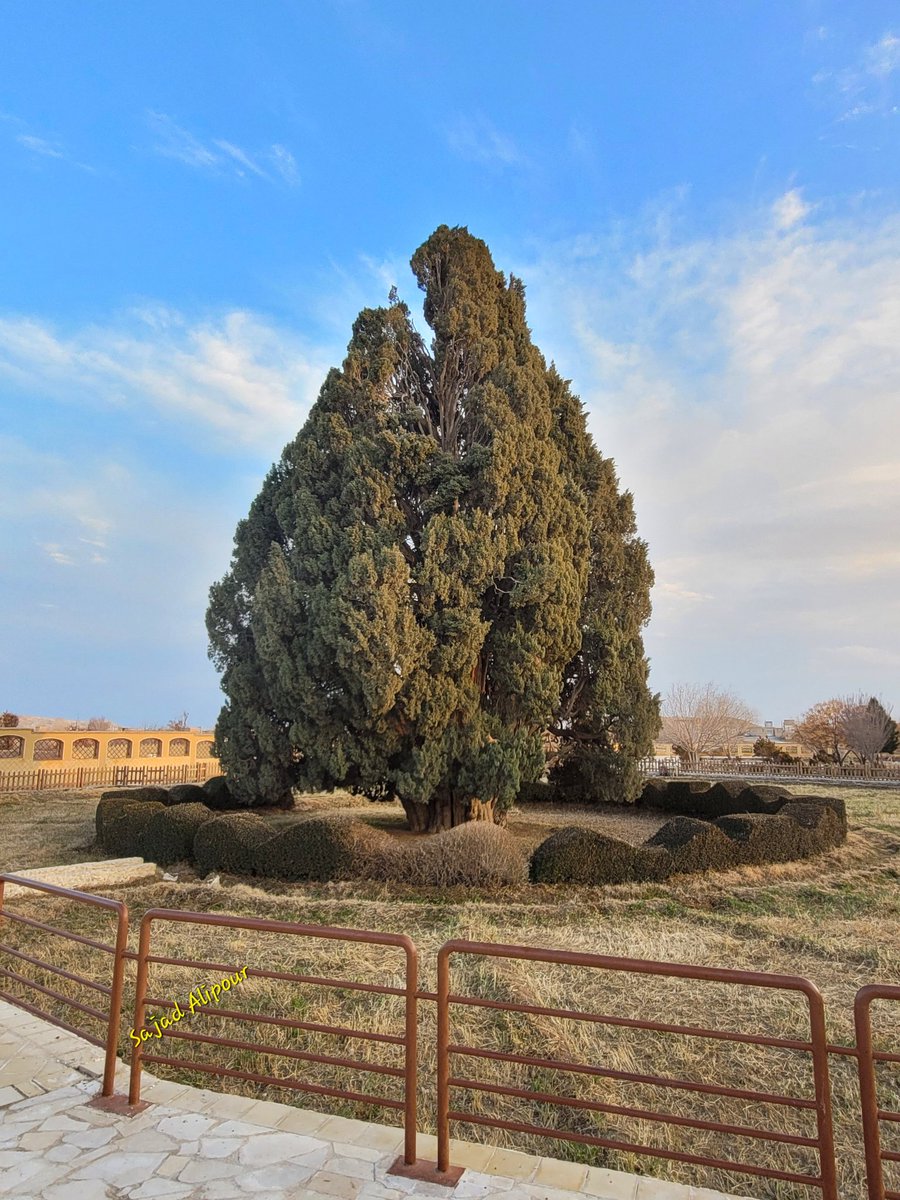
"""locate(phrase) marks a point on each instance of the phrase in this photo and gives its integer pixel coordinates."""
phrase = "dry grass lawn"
(835, 920)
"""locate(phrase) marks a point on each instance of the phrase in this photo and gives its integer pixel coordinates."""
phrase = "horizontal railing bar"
(885, 1115)
(37, 962)
(39, 1012)
(302, 1055)
(890, 1156)
(884, 1056)
(39, 987)
(287, 976)
(640, 1114)
(633, 1023)
(633, 1077)
(634, 1148)
(289, 1023)
(73, 937)
(294, 1084)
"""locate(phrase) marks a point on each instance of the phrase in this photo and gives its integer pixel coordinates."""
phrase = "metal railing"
(816, 1046)
(873, 1114)
(111, 992)
(405, 1040)
(810, 1042)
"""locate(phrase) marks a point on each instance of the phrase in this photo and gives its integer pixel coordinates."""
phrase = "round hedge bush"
(229, 843)
(169, 836)
(186, 793)
(578, 854)
(477, 854)
(320, 849)
(217, 794)
(694, 845)
(109, 809)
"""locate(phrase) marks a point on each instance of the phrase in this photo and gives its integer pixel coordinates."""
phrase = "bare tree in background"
(99, 723)
(822, 730)
(866, 727)
(701, 718)
(179, 722)
(9, 720)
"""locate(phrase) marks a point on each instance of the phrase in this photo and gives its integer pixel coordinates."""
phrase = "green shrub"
(169, 836)
(538, 793)
(762, 837)
(695, 845)
(186, 793)
(821, 825)
(577, 854)
(124, 823)
(477, 854)
(217, 795)
(229, 843)
(321, 849)
(834, 803)
(111, 802)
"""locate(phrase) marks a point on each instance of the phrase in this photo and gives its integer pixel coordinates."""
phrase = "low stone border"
(87, 876)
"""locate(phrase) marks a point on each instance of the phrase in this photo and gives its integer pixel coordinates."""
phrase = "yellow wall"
(67, 754)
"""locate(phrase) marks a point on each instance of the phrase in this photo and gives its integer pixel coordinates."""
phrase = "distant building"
(22, 748)
(782, 736)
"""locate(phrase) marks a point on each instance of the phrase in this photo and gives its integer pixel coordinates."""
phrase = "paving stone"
(266, 1148)
(172, 1165)
(201, 1170)
(512, 1163)
(610, 1185)
(661, 1189)
(88, 1189)
(169, 1188)
(218, 1147)
(335, 1185)
(146, 1141)
(476, 1186)
(185, 1127)
(301, 1120)
(561, 1174)
(366, 1152)
(265, 1112)
(236, 1129)
(89, 1139)
(37, 1141)
(280, 1176)
(121, 1169)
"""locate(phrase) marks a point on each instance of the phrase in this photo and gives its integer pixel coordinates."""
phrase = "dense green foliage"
(319, 849)
(229, 843)
(577, 854)
(439, 570)
(186, 793)
(169, 836)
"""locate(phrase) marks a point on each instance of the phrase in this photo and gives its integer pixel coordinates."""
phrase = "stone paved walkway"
(192, 1144)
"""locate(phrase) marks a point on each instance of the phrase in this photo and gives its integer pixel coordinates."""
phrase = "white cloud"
(748, 386)
(220, 155)
(236, 377)
(789, 209)
(39, 146)
(54, 550)
(478, 140)
(866, 87)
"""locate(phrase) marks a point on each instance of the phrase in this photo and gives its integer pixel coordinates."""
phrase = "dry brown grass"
(835, 920)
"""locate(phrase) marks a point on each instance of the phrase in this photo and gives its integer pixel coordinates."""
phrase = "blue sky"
(702, 199)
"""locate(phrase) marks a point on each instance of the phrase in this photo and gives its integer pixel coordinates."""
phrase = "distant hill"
(56, 724)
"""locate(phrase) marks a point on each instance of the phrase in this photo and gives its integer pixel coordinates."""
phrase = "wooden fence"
(731, 768)
(63, 778)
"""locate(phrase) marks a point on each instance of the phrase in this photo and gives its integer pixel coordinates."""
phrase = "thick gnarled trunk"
(446, 812)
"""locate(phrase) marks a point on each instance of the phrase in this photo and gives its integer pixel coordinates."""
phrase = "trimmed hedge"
(694, 845)
(476, 854)
(320, 849)
(169, 836)
(186, 793)
(217, 794)
(229, 843)
(111, 804)
(578, 854)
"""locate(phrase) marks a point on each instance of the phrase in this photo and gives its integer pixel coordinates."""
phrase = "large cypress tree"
(439, 570)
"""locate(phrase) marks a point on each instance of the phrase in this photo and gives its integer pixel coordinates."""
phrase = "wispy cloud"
(37, 146)
(219, 155)
(747, 386)
(236, 376)
(478, 140)
(867, 87)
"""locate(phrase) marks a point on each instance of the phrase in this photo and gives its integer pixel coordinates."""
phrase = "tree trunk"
(446, 811)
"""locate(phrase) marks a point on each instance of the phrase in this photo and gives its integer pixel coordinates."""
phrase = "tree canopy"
(438, 573)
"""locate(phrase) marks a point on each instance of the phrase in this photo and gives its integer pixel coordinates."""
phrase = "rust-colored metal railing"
(110, 992)
(405, 1040)
(873, 1114)
(816, 1046)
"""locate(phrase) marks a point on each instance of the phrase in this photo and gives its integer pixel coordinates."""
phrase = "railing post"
(134, 1083)
(443, 1060)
